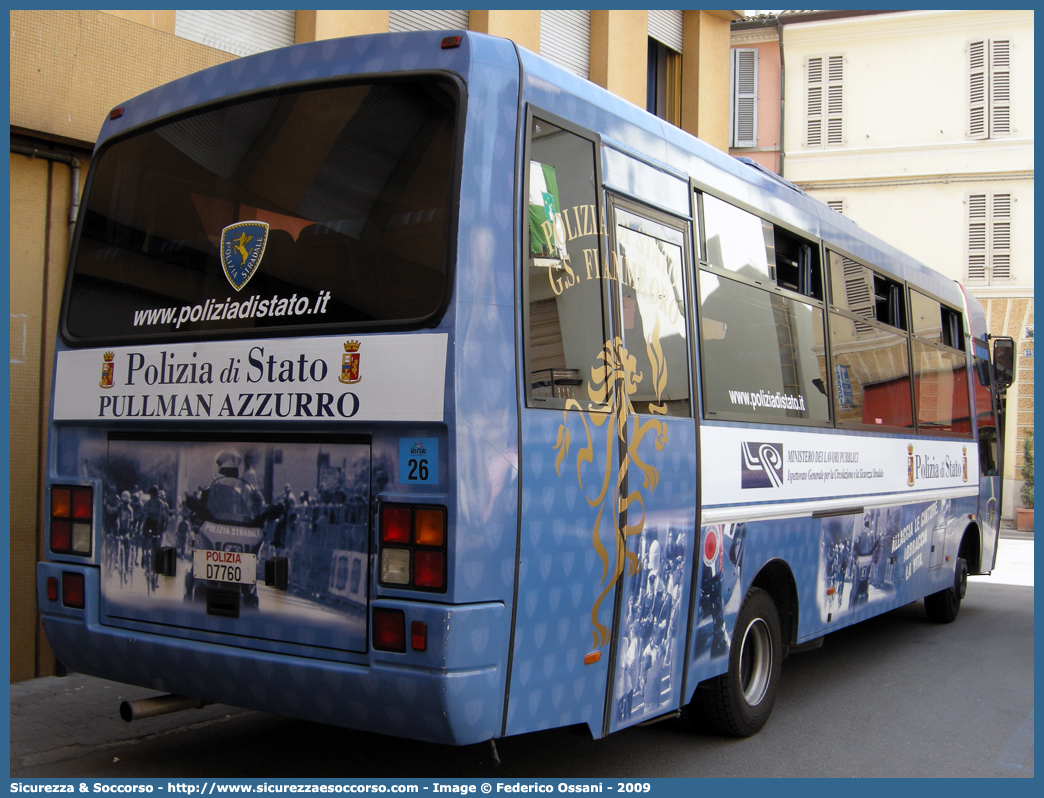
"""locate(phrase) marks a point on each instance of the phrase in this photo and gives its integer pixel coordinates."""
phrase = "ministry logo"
(762, 465)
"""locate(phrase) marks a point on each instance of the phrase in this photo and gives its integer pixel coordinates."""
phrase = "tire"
(942, 607)
(738, 703)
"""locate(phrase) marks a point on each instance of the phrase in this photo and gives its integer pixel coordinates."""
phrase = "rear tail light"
(412, 547)
(72, 515)
(395, 525)
(389, 630)
(419, 636)
(73, 590)
(428, 569)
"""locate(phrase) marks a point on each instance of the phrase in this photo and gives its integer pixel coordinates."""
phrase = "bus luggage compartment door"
(266, 538)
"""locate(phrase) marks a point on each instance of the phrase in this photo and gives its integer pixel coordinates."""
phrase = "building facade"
(920, 126)
(70, 68)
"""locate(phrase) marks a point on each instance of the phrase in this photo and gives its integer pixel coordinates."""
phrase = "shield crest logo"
(242, 247)
(108, 370)
(350, 363)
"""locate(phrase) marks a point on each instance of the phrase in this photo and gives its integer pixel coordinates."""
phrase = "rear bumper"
(452, 693)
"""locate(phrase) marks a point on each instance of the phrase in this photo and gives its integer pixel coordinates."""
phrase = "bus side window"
(763, 352)
(869, 347)
(940, 367)
(648, 263)
(565, 319)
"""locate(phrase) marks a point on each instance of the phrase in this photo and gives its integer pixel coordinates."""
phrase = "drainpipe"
(782, 89)
(74, 168)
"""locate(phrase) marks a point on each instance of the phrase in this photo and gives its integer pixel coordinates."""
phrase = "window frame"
(532, 113)
(874, 324)
(948, 314)
(701, 263)
(615, 201)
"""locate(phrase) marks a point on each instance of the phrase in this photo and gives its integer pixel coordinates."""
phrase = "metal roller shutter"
(666, 28)
(238, 32)
(401, 21)
(565, 38)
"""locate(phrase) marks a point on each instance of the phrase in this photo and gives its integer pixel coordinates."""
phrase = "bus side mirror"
(1003, 362)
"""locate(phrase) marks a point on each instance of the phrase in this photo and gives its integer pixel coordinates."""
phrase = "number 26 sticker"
(418, 461)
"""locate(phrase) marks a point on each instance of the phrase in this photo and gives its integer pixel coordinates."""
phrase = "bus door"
(990, 434)
(647, 264)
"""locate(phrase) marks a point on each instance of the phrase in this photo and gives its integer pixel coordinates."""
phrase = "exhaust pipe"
(158, 705)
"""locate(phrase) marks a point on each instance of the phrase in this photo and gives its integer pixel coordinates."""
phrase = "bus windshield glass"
(328, 206)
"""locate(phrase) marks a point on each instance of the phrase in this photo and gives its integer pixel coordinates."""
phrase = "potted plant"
(1024, 514)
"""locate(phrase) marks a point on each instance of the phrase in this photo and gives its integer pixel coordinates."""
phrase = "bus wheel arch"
(944, 605)
(738, 702)
(970, 549)
(776, 579)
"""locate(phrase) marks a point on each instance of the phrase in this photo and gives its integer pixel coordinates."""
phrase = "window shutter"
(1000, 233)
(977, 79)
(859, 293)
(814, 103)
(745, 98)
(240, 32)
(1000, 88)
(565, 39)
(977, 237)
(835, 104)
(402, 21)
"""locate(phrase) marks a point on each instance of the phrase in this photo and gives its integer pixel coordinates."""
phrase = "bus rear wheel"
(942, 607)
(739, 702)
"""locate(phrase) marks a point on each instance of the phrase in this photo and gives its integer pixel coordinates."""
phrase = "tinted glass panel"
(941, 388)
(565, 316)
(871, 374)
(926, 315)
(316, 207)
(649, 262)
(763, 354)
(738, 241)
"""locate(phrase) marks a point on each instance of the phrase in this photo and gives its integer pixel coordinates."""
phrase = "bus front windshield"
(327, 206)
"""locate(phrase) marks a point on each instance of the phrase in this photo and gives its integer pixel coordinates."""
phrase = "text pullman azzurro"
(270, 371)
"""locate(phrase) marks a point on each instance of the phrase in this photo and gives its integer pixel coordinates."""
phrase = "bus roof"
(619, 122)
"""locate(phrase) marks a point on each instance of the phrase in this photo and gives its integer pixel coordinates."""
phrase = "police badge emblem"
(108, 370)
(350, 363)
(242, 247)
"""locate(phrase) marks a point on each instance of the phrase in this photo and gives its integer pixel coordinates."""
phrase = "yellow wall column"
(522, 27)
(313, 26)
(160, 20)
(705, 76)
(620, 52)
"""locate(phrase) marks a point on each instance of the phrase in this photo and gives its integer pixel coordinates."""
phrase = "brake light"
(389, 630)
(428, 569)
(395, 525)
(413, 547)
(73, 591)
(72, 515)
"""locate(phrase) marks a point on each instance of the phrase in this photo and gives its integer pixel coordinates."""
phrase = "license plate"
(225, 566)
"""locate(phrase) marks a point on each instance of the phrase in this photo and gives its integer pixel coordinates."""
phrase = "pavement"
(59, 718)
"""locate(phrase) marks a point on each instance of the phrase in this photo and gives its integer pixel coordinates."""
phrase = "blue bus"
(411, 384)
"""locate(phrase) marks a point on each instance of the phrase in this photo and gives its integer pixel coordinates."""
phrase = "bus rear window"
(320, 207)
